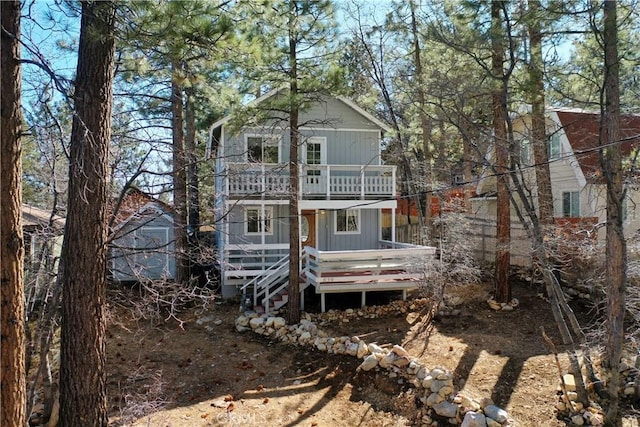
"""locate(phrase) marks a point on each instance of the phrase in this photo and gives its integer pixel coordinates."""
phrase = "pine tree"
(84, 250)
(13, 397)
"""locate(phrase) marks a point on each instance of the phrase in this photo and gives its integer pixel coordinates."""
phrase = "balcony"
(316, 181)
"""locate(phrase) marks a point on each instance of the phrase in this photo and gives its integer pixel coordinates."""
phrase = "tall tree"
(294, 215)
(177, 49)
(616, 250)
(503, 214)
(84, 250)
(302, 63)
(13, 397)
(424, 118)
(179, 172)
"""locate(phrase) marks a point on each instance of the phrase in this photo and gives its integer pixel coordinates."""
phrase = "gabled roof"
(582, 131)
(135, 202)
(33, 217)
(347, 101)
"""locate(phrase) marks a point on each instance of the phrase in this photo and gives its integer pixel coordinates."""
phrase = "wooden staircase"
(269, 288)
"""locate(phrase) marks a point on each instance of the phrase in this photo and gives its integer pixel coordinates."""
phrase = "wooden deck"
(261, 269)
(402, 268)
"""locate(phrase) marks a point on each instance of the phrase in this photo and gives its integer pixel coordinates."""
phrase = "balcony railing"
(326, 181)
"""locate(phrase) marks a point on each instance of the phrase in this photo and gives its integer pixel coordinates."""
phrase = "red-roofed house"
(578, 185)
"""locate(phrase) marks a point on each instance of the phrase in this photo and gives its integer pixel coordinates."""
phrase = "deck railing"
(327, 181)
(402, 268)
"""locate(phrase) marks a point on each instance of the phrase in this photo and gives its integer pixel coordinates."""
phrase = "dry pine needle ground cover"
(204, 373)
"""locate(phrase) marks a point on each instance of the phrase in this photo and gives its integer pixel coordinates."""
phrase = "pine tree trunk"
(193, 189)
(294, 225)
(503, 227)
(84, 252)
(538, 123)
(179, 177)
(424, 124)
(616, 250)
(13, 397)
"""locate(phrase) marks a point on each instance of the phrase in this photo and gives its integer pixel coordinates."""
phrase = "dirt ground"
(204, 373)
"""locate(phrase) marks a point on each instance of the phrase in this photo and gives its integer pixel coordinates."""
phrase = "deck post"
(302, 300)
(404, 295)
(322, 302)
(363, 302)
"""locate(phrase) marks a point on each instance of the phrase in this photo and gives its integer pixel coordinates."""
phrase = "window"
(263, 149)
(257, 221)
(347, 221)
(525, 152)
(571, 204)
(555, 147)
(315, 154)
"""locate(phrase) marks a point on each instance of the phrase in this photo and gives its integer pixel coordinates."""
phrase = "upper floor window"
(315, 153)
(347, 221)
(257, 220)
(571, 204)
(555, 147)
(525, 152)
(263, 149)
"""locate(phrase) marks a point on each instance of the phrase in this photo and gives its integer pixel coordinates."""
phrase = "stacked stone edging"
(439, 395)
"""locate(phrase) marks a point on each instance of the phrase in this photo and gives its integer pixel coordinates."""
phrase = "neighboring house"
(578, 185)
(43, 233)
(142, 248)
(343, 188)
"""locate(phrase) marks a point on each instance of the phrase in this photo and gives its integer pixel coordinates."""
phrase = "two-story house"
(344, 186)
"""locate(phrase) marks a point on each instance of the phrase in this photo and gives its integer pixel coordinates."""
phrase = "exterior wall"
(367, 238)
(335, 114)
(280, 225)
(130, 262)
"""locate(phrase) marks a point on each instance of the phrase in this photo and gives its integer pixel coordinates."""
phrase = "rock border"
(434, 386)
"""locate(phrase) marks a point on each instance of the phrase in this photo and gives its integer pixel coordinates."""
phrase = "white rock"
(375, 348)
(469, 403)
(426, 383)
(445, 391)
(363, 349)
(434, 399)
(498, 414)
(569, 382)
(278, 322)
(402, 362)
(473, 419)
(256, 322)
(369, 363)
(577, 420)
(446, 409)
(352, 349)
(399, 351)
(387, 360)
(422, 373)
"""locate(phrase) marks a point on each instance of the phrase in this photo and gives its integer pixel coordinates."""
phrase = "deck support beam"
(404, 295)
(363, 302)
(322, 302)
